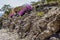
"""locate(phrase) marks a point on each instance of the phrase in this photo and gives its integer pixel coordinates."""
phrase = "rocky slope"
(31, 26)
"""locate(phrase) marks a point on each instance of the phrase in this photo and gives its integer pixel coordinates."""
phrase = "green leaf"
(40, 13)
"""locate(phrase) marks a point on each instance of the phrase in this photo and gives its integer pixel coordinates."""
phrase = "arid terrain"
(32, 26)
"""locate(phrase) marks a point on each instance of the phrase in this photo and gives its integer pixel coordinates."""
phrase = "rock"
(54, 38)
(5, 35)
(31, 27)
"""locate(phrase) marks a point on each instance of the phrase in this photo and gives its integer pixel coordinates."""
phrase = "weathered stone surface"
(32, 27)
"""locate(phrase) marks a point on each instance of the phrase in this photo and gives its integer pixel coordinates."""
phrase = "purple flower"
(11, 15)
(27, 8)
(22, 12)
